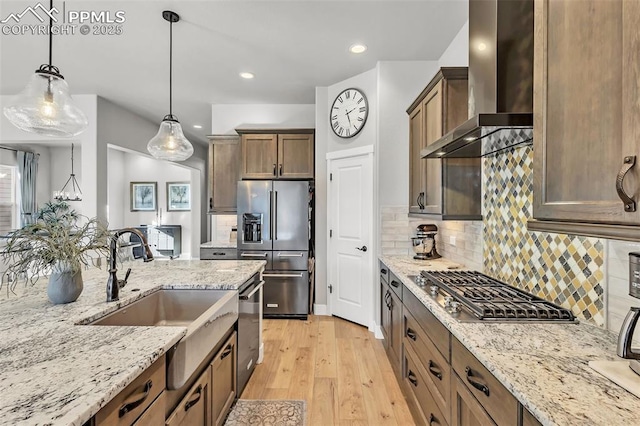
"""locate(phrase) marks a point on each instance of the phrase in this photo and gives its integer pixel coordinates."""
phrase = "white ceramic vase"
(64, 286)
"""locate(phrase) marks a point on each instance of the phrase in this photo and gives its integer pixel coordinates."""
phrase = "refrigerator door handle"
(270, 215)
(275, 217)
(299, 275)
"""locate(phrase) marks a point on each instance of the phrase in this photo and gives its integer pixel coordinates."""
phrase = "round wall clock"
(349, 113)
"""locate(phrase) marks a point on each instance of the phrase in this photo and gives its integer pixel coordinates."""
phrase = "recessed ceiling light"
(197, 126)
(357, 48)
(247, 75)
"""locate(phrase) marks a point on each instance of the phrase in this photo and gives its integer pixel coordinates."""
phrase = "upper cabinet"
(442, 188)
(224, 173)
(587, 118)
(277, 155)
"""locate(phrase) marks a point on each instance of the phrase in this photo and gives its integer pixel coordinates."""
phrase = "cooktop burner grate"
(490, 299)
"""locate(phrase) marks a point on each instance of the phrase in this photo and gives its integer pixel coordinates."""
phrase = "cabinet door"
(466, 410)
(385, 313)
(259, 156)
(194, 409)
(586, 109)
(432, 110)
(416, 164)
(223, 381)
(295, 156)
(154, 415)
(396, 333)
(224, 173)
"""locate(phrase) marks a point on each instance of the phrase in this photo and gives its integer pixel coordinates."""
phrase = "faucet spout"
(113, 283)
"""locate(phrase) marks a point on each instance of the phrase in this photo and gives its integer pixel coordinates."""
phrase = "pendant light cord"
(72, 174)
(170, 68)
(50, 34)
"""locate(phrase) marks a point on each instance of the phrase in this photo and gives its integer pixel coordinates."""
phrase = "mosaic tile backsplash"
(565, 269)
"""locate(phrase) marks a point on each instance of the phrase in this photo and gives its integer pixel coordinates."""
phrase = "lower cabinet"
(466, 410)
(223, 381)
(395, 342)
(154, 414)
(194, 409)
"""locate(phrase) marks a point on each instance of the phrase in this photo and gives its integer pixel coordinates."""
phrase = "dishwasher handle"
(298, 275)
(252, 292)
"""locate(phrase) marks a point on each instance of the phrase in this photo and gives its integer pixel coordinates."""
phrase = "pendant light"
(63, 195)
(169, 143)
(45, 105)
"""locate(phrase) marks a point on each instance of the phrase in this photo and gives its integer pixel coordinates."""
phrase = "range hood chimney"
(500, 82)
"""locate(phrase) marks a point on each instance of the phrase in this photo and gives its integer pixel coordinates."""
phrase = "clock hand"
(349, 112)
(348, 119)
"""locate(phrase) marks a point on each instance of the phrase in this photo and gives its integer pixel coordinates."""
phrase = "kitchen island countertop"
(56, 372)
(545, 366)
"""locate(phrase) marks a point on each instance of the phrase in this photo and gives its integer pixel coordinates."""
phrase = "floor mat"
(264, 412)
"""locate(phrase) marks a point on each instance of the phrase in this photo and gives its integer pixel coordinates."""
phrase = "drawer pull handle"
(219, 253)
(194, 399)
(629, 203)
(480, 386)
(226, 352)
(395, 283)
(411, 334)
(433, 420)
(412, 378)
(290, 254)
(253, 254)
(383, 271)
(135, 400)
(387, 299)
(433, 369)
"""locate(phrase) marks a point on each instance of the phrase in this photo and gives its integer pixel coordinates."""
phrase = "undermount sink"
(207, 314)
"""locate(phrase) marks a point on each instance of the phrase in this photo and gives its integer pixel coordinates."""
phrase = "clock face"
(349, 113)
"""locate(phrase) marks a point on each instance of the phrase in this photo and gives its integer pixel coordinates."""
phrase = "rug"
(264, 412)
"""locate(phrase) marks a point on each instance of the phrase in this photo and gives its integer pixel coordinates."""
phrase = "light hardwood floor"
(338, 367)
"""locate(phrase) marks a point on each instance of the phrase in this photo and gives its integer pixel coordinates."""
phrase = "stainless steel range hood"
(500, 82)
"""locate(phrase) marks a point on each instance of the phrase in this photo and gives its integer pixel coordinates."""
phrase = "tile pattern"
(565, 269)
(502, 138)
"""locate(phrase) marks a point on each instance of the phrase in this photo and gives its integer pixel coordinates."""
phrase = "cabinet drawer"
(437, 332)
(195, 407)
(384, 272)
(434, 367)
(465, 408)
(154, 414)
(218, 254)
(494, 397)
(417, 385)
(395, 285)
(223, 381)
(127, 406)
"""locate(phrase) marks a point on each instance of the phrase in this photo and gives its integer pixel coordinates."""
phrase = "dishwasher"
(248, 330)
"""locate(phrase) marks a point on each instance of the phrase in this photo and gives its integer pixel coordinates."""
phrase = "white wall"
(457, 54)
(116, 186)
(226, 118)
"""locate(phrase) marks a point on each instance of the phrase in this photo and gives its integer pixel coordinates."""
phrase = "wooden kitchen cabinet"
(137, 397)
(466, 410)
(223, 380)
(224, 173)
(586, 117)
(443, 188)
(154, 415)
(195, 408)
(278, 154)
(385, 306)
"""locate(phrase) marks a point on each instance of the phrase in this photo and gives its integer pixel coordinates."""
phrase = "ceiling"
(291, 47)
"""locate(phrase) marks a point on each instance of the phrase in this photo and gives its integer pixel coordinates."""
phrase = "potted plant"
(59, 243)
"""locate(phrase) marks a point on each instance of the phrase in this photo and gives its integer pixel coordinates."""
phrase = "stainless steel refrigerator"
(274, 225)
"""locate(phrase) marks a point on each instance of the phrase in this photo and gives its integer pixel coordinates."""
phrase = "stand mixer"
(424, 243)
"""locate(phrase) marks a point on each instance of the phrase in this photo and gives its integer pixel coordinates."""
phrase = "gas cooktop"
(471, 296)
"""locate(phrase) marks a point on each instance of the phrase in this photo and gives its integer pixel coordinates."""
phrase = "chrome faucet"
(113, 283)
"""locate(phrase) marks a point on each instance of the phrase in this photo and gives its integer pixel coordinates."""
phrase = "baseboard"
(260, 353)
(320, 310)
(377, 332)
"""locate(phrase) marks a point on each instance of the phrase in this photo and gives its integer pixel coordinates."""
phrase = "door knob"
(363, 248)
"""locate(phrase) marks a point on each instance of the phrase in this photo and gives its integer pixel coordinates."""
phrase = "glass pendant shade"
(45, 107)
(169, 143)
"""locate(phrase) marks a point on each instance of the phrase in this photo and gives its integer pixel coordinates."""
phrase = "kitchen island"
(544, 365)
(54, 371)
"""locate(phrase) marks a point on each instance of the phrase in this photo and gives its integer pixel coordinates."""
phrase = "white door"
(350, 223)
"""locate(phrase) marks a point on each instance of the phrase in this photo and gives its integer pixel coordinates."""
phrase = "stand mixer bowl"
(422, 245)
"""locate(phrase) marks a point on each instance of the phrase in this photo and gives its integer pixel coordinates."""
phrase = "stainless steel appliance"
(625, 337)
(471, 296)
(274, 219)
(424, 243)
(248, 330)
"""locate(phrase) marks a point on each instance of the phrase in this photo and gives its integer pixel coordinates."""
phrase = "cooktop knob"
(433, 290)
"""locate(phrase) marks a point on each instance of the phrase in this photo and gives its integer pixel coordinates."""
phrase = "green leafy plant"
(60, 240)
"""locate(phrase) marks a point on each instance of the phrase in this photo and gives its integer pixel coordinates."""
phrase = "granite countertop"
(545, 366)
(55, 372)
(220, 244)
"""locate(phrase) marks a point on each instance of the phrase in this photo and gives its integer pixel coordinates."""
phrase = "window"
(8, 204)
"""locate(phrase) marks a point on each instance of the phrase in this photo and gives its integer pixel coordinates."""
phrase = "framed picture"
(144, 196)
(178, 196)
